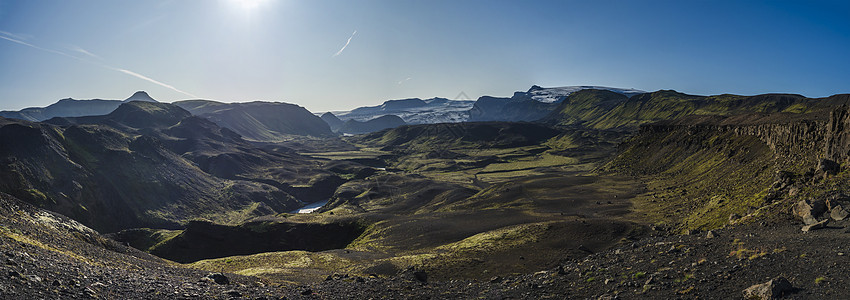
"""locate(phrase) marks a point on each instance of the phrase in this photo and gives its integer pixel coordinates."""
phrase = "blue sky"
(286, 50)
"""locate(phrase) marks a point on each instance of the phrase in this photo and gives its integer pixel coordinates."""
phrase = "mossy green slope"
(668, 105)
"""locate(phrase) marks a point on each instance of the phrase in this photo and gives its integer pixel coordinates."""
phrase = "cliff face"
(837, 140)
(703, 169)
(800, 140)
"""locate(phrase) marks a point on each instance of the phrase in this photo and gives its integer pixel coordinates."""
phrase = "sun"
(248, 4)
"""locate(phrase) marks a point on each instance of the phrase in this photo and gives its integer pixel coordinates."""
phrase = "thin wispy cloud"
(14, 36)
(346, 44)
(10, 37)
(404, 80)
(143, 77)
(83, 51)
(14, 40)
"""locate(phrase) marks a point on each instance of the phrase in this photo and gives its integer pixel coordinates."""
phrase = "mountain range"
(255, 121)
(591, 194)
(260, 121)
(275, 121)
(413, 111)
(73, 108)
(531, 105)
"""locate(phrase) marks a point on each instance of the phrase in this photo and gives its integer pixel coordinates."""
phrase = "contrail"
(39, 48)
(143, 77)
(81, 50)
(346, 44)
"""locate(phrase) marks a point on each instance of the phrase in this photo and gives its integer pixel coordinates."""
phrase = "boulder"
(828, 167)
(808, 210)
(773, 289)
(218, 278)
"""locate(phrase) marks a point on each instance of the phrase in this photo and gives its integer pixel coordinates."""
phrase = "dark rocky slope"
(48, 256)
(148, 165)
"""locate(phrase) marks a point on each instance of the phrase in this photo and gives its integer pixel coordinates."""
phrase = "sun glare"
(248, 4)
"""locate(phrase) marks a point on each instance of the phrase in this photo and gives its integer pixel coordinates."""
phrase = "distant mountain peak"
(534, 88)
(557, 94)
(140, 96)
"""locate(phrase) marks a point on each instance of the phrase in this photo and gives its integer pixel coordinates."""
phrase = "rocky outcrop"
(809, 210)
(820, 140)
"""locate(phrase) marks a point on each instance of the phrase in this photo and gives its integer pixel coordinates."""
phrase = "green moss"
(698, 180)
(280, 266)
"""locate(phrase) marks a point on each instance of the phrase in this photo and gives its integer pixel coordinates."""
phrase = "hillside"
(666, 105)
(539, 102)
(334, 122)
(260, 121)
(584, 106)
(481, 135)
(149, 165)
(376, 124)
(514, 109)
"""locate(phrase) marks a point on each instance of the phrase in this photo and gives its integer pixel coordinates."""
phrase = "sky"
(330, 55)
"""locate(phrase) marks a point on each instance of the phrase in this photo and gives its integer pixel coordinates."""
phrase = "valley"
(597, 193)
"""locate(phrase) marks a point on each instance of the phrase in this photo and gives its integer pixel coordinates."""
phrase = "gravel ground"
(45, 256)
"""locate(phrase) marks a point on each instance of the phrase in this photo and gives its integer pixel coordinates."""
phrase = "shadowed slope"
(260, 121)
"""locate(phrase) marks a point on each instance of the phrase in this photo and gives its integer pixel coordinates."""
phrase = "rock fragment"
(838, 213)
(818, 225)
